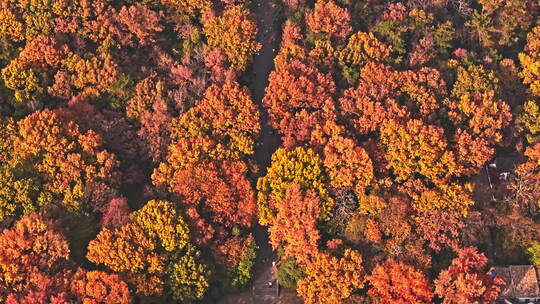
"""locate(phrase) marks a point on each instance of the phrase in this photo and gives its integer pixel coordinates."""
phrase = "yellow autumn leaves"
(234, 34)
(152, 251)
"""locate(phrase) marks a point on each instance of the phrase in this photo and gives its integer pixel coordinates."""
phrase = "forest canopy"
(169, 151)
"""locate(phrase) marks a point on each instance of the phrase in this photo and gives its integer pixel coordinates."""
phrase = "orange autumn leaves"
(31, 246)
(298, 98)
(152, 251)
(35, 268)
(400, 107)
(347, 164)
(99, 287)
(50, 65)
(222, 126)
(397, 283)
(207, 161)
(465, 281)
(290, 205)
(330, 279)
(207, 168)
(382, 132)
(296, 224)
(96, 92)
(328, 18)
(386, 148)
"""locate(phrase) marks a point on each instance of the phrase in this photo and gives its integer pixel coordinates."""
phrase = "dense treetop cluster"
(128, 135)
(388, 113)
(126, 150)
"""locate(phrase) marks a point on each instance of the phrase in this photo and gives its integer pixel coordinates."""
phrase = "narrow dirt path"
(261, 292)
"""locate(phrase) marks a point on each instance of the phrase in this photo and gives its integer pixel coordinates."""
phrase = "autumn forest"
(360, 151)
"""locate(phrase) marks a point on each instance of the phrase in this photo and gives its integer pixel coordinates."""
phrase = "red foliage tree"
(367, 106)
(116, 213)
(44, 288)
(423, 51)
(441, 228)
(140, 23)
(33, 254)
(215, 61)
(329, 18)
(44, 52)
(298, 98)
(130, 26)
(292, 33)
(295, 224)
(149, 106)
(471, 152)
(397, 283)
(218, 191)
(466, 282)
(155, 130)
(119, 136)
(93, 287)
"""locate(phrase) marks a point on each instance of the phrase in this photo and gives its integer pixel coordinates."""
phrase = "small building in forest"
(522, 285)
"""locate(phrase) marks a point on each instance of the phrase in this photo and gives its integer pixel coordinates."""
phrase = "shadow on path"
(264, 273)
(261, 292)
